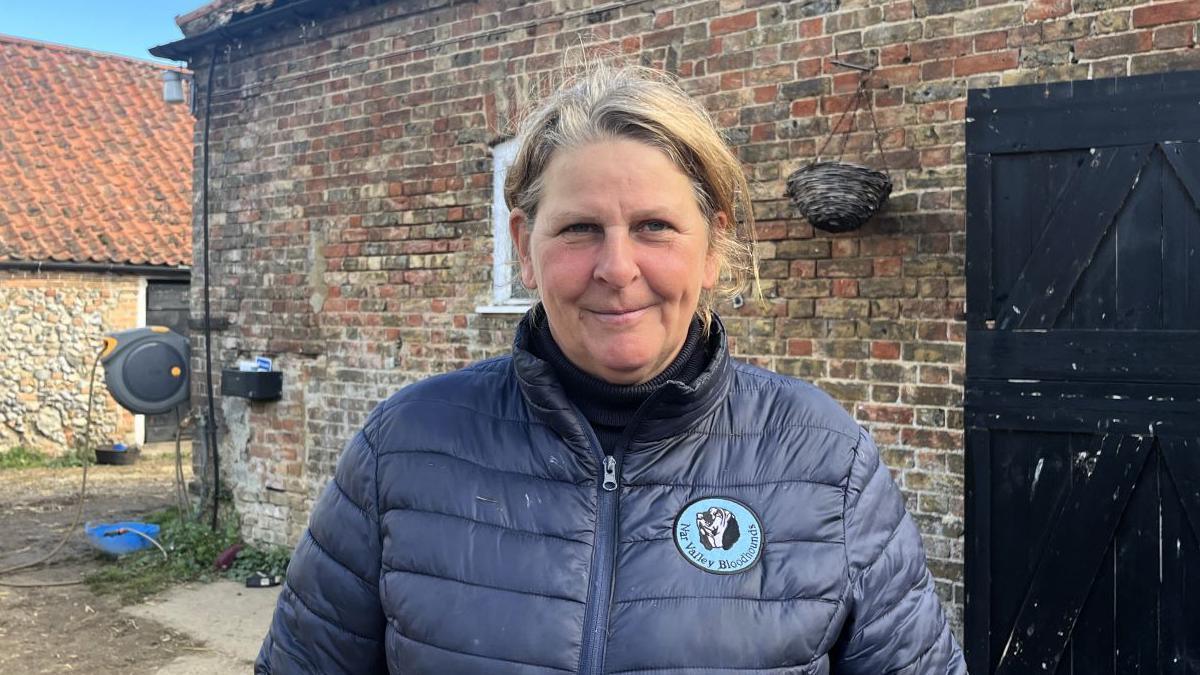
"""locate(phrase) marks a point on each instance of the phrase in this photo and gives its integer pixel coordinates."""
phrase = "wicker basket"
(837, 196)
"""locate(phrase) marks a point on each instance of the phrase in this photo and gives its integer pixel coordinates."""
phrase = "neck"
(609, 406)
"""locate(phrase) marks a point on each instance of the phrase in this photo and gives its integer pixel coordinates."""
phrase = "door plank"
(1184, 159)
(1181, 234)
(1089, 205)
(977, 568)
(1135, 610)
(1082, 114)
(980, 289)
(1090, 649)
(1072, 557)
(1183, 460)
(1078, 355)
(1094, 304)
(1179, 643)
(1139, 241)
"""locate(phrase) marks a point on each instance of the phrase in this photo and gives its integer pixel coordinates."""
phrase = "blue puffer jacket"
(750, 527)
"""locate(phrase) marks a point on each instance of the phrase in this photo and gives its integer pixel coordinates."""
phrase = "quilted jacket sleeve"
(329, 618)
(895, 623)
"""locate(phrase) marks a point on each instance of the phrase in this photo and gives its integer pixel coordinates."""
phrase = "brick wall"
(352, 190)
(51, 325)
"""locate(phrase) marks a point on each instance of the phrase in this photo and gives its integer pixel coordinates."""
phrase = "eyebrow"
(588, 216)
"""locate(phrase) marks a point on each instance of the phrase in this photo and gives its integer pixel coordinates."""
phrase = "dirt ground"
(69, 629)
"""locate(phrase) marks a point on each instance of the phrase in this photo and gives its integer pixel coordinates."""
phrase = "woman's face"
(619, 254)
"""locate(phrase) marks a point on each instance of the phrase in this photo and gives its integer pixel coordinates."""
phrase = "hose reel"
(146, 369)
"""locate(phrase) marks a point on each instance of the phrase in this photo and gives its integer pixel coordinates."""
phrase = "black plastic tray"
(254, 385)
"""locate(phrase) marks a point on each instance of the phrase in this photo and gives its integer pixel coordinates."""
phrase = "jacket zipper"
(595, 619)
(604, 551)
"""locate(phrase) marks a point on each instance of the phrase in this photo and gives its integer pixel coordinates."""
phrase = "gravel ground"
(68, 628)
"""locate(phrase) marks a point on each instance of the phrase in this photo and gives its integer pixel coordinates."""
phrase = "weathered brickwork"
(352, 189)
(51, 325)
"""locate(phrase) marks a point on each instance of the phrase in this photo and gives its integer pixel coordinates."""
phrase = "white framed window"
(509, 295)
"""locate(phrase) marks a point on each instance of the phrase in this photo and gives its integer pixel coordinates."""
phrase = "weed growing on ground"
(20, 457)
(192, 547)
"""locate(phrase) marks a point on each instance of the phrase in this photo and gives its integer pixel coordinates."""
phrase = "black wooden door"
(1083, 377)
(166, 305)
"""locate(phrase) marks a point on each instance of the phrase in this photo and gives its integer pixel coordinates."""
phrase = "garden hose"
(125, 530)
(181, 497)
(87, 444)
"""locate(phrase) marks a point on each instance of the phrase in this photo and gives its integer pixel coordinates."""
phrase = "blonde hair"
(603, 102)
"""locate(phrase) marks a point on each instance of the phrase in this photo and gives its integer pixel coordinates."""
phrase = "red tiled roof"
(94, 166)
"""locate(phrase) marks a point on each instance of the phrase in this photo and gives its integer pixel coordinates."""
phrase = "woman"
(618, 494)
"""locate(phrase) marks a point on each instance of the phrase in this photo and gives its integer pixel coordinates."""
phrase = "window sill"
(503, 309)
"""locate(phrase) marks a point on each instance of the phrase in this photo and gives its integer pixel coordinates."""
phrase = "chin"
(625, 368)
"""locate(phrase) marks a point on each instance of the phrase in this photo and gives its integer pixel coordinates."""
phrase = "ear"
(712, 262)
(518, 230)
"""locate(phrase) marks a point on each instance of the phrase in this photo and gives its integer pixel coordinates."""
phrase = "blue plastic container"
(120, 544)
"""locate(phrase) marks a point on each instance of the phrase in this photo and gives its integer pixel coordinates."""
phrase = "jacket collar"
(678, 406)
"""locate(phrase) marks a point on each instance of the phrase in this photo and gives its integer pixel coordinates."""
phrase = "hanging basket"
(838, 196)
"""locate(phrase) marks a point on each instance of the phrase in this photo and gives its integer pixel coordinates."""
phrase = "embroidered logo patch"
(719, 535)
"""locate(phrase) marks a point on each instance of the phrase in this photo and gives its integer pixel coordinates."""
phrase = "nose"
(616, 264)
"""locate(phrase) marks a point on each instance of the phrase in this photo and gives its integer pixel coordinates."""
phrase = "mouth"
(618, 317)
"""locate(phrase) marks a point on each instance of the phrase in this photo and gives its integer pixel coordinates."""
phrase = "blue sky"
(128, 27)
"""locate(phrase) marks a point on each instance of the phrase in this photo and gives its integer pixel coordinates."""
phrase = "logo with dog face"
(719, 535)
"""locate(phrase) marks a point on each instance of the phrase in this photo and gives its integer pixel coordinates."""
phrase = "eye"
(655, 226)
(579, 228)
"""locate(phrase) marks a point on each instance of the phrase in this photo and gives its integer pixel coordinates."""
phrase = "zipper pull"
(610, 473)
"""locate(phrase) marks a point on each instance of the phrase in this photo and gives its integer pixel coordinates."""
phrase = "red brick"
(766, 94)
(799, 347)
(845, 288)
(887, 267)
(844, 267)
(935, 157)
(1114, 45)
(885, 349)
(940, 49)
(896, 75)
(1172, 12)
(894, 54)
(808, 68)
(1040, 10)
(836, 104)
(985, 63)
(733, 24)
(812, 27)
(803, 269)
(1172, 37)
(931, 438)
(843, 248)
(770, 230)
(762, 132)
(898, 11)
(846, 82)
(937, 70)
(990, 42)
(887, 414)
(889, 97)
